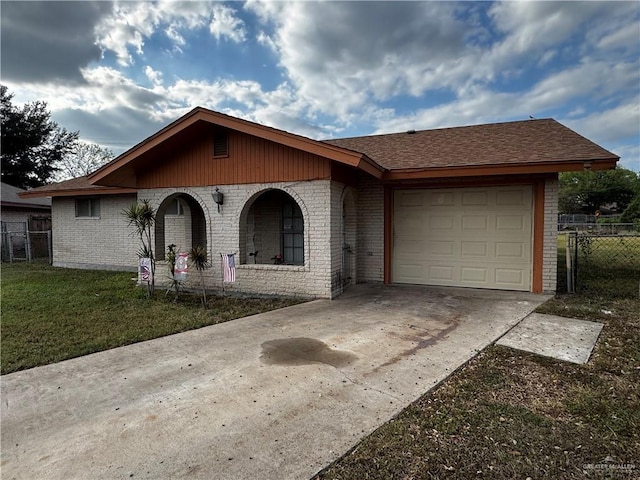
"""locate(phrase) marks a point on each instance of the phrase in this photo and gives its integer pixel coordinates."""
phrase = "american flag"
(228, 268)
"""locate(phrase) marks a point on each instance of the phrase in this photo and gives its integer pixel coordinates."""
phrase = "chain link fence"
(17, 243)
(604, 265)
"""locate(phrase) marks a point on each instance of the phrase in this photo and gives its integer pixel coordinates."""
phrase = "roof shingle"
(513, 143)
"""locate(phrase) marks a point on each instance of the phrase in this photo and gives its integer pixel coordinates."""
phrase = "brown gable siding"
(250, 160)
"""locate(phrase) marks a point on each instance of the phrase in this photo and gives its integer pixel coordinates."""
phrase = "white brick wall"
(550, 253)
(104, 242)
(223, 236)
(370, 241)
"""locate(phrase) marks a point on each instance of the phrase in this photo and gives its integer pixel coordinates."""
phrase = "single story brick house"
(471, 206)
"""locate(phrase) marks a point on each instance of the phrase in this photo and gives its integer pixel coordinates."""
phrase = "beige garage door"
(467, 237)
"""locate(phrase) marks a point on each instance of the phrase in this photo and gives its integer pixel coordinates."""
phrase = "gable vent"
(220, 145)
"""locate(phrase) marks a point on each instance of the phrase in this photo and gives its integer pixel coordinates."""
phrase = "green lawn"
(52, 314)
(609, 266)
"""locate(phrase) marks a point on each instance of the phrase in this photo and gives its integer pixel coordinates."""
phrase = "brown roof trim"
(469, 171)
(78, 192)
(332, 152)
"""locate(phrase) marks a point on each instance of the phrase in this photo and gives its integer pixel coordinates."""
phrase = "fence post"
(27, 245)
(50, 247)
(10, 248)
(568, 260)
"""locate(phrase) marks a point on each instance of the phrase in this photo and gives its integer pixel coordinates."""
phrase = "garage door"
(468, 237)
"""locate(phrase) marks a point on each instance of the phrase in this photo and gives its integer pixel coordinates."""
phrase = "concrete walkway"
(567, 339)
(273, 396)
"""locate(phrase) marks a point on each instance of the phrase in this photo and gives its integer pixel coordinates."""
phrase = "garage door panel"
(474, 274)
(510, 198)
(474, 249)
(410, 199)
(474, 222)
(476, 237)
(442, 199)
(409, 225)
(440, 272)
(411, 247)
(441, 247)
(411, 272)
(439, 222)
(475, 198)
(509, 277)
(509, 250)
(510, 222)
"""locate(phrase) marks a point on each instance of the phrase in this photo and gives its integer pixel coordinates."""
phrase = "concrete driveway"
(273, 396)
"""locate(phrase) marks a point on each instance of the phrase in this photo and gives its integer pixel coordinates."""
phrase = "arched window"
(292, 234)
(272, 230)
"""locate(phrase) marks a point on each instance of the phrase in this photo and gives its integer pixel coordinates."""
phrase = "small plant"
(142, 217)
(198, 256)
(171, 260)
(584, 242)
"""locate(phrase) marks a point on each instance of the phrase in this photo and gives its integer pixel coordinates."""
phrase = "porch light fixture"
(218, 197)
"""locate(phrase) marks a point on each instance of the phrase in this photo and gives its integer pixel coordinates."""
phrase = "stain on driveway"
(303, 351)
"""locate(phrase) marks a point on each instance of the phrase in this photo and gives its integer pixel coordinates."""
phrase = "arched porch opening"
(272, 230)
(180, 221)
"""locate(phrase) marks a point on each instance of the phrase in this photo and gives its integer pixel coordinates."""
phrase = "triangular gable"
(120, 171)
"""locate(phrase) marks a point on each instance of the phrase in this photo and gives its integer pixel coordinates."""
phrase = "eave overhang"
(110, 174)
(502, 169)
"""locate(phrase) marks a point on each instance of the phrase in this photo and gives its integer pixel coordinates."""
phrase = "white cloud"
(347, 63)
(608, 126)
(153, 75)
(224, 24)
(629, 156)
(133, 22)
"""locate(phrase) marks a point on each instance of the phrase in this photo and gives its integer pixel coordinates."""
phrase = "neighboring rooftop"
(10, 198)
(522, 142)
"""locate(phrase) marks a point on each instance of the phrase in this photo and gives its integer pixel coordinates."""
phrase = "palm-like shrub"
(198, 257)
(142, 217)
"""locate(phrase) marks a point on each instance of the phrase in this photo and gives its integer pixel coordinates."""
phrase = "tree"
(588, 191)
(32, 143)
(142, 217)
(632, 212)
(82, 160)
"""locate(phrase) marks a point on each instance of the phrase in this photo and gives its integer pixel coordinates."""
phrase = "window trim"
(93, 205)
(179, 210)
(296, 214)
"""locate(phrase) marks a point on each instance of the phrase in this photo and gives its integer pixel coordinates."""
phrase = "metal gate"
(18, 243)
(604, 265)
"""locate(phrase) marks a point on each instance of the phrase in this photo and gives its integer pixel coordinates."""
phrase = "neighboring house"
(19, 215)
(471, 206)
(14, 209)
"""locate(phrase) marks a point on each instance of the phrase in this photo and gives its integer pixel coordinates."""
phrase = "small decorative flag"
(228, 268)
(145, 270)
(180, 269)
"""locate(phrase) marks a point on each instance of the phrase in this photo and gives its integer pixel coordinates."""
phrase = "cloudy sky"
(119, 71)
